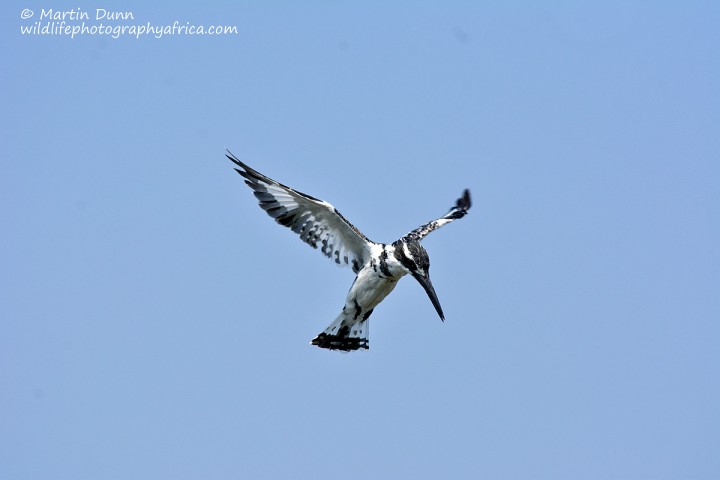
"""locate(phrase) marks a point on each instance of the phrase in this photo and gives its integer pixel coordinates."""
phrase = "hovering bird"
(378, 266)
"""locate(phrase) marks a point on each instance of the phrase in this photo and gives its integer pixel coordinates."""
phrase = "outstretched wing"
(462, 205)
(318, 223)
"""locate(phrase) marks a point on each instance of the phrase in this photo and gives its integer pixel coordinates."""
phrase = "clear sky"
(156, 323)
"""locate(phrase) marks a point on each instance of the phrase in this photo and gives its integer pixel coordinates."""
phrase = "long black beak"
(427, 285)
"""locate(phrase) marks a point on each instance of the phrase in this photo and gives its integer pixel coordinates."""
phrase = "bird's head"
(411, 254)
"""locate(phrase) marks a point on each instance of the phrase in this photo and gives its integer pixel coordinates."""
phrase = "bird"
(377, 266)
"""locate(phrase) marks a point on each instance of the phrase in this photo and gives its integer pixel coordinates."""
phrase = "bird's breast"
(370, 288)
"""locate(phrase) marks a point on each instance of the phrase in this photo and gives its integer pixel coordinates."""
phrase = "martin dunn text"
(80, 14)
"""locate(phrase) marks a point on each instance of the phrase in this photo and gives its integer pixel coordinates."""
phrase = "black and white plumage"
(378, 266)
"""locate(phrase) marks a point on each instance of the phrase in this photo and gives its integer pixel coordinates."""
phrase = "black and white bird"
(378, 266)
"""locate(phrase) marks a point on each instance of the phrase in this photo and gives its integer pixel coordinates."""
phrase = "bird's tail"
(346, 333)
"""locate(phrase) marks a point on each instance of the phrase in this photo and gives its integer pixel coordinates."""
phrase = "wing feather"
(317, 222)
(462, 205)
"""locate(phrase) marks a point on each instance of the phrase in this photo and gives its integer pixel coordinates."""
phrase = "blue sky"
(156, 322)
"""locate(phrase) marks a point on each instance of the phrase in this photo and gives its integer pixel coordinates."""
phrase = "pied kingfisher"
(378, 266)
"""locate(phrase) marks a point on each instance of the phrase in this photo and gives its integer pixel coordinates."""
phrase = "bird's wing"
(318, 223)
(462, 205)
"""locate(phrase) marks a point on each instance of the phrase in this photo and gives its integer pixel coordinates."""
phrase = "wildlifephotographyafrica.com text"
(113, 23)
